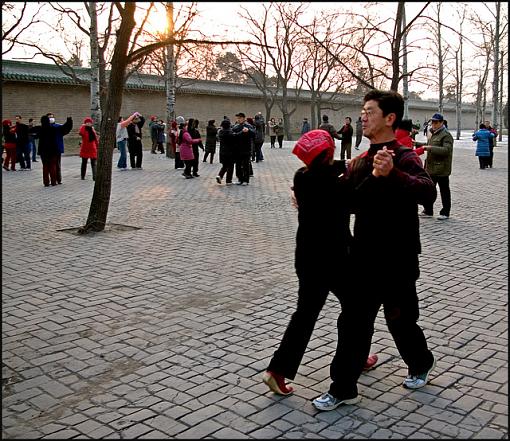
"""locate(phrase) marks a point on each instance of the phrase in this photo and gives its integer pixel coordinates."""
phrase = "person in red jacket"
(9, 135)
(403, 133)
(88, 147)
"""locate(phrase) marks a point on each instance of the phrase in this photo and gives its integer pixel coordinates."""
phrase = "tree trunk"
(95, 97)
(395, 55)
(495, 81)
(459, 62)
(170, 78)
(500, 127)
(99, 205)
(405, 80)
(440, 61)
(313, 113)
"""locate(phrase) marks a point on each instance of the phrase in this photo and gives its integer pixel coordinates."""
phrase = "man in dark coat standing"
(243, 148)
(346, 133)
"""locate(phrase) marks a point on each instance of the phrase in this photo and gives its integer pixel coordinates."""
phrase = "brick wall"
(35, 99)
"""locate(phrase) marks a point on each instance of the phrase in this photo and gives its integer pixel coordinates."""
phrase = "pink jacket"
(186, 146)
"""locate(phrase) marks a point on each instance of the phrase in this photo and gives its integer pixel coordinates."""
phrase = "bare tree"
(255, 59)
(320, 71)
(459, 75)
(378, 63)
(170, 75)
(483, 55)
(95, 93)
(495, 81)
(284, 59)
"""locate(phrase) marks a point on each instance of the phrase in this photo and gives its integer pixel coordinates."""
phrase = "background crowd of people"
(238, 148)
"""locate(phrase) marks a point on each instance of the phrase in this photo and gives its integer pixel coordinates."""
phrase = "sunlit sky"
(220, 20)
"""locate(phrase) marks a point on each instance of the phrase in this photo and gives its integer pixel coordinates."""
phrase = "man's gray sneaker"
(417, 381)
(329, 402)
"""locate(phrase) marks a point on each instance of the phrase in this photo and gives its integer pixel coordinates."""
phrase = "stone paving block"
(136, 431)
(229, 433)
(166, 425)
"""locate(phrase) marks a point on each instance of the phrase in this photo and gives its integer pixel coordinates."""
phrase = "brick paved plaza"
(164, 331)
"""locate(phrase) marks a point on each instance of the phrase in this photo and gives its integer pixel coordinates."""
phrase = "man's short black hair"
(325, 118)
(389, 102)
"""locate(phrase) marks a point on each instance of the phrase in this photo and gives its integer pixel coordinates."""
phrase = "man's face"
(347, 121)
(487, 123)
(18, 119)
(436, 124)
(372, 120)
(240, 119)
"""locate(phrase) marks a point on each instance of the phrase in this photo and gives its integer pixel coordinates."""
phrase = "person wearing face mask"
(49, 135)
(61, 131)
(88, 147)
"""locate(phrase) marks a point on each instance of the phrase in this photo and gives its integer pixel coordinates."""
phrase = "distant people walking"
(49, 135)
(160, 136)
(492, 142)
(23, 149)
(211, 135)
(439, 165)
(305, 127)
(192, 128)
(88, 147)
(186, 143)
(9, 139)
(346, 133)
(482, 137)
(243, 143)
(426, 124)
(258, 141)
(280, 132)
(322, 210)
(134, 128)
(359, 133)
(121, 136)
(272, 132)
(31, 140)
(173, 135)
(329, 127)
(153, 129)
(228, 148)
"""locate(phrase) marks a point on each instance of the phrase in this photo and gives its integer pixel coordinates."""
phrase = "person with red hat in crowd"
(322, 243)
(404, 132)
(88, 147)
(9, 136)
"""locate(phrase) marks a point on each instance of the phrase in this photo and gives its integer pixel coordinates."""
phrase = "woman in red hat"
(322, 243)
(88, 147)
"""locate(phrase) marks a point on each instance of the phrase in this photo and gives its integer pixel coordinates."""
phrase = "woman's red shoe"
(276, 383)
(371, 361)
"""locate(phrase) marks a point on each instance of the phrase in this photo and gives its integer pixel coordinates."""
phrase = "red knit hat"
(6, 122)
(312, 143)
(88, 119)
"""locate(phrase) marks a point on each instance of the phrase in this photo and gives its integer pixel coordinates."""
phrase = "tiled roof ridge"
(27, 71)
